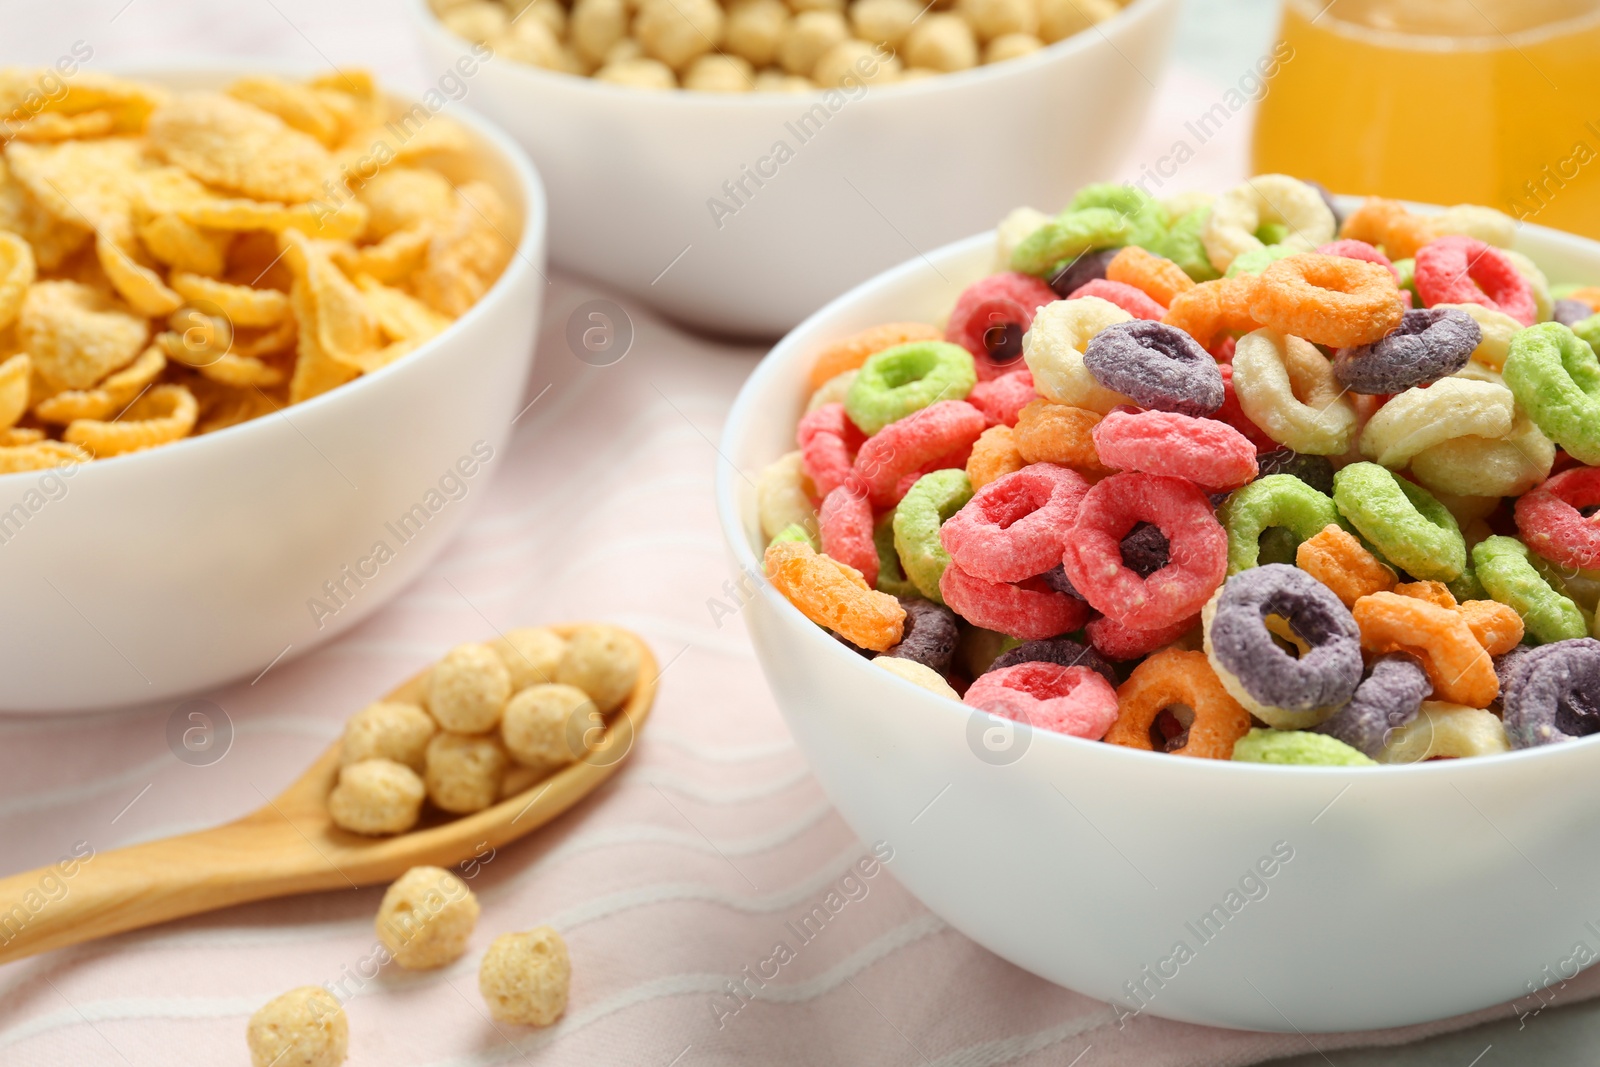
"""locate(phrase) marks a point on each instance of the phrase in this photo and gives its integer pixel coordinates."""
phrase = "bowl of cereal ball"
(260, 347)
(1204, 611)
(736, 164)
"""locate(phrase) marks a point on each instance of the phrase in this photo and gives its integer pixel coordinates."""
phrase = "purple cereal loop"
(1324, 677)
(1570, 312)
(1086, 268)
(930, 634)
(1157, 365)
(1429, 344)
(1389, 698)
(1059, 650)
(1553, 693)
(1056, 578)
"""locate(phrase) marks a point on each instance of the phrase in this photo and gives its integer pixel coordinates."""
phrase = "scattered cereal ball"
(603, 662)
(549, 12)
(851, 63)
(996, 18)
(305, 1027)
(376, 796)
(942, 42)
(1059, 19)
(467, 689)
(426, 918)
(596, 25)
(398, 732)
(719, 74)
(1011, 46)
(776, 81)
(539, 720)
(678, 31)
(476, 20)
(524, 977)
(531, 41)
(884, 22)
(754, 29)
(531, 654)
(463, 771)
(807, 36)
(638, 74)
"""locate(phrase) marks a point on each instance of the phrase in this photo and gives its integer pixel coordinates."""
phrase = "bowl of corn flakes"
(738, 210)
(262, 339)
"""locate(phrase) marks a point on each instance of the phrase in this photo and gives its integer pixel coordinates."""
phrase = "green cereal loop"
(1258, 259)
(1143, 211)
(906, 378)
(1407, 269)
(1404, 522)
(1068, 236)
(1298, 747)
(1278, 500)
(1510, 577)
(1588, 330)
(795, 532)
(1555, 377)
(891, 579)
(930, 503)
(1183, 246)
(1467, 587)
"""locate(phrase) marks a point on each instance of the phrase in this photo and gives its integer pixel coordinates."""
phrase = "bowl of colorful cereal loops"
(1217, 619)
(755, 158)
(260, 349)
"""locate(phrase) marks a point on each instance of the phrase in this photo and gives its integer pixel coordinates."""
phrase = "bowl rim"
(535, 224)
(537, 78)
(744, 414)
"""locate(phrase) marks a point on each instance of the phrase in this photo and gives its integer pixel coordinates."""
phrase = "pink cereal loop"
(1117, 642)
(828, 442)
(1001, 399)
(1551, 524)
(907, 444)
(1464, 270)
(1134, 301)
(845, 523)
(1209, 453)
(1075, 701)
(998, 300)
(1015, 527)
(1029, 609)
(1349, 248)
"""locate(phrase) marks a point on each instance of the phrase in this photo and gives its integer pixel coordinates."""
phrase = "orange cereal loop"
(1328, 300)
(1457, 665)
(1336, 559)
(834, 595)
(1390, 224)
(1047, 432)
(994, 456)
(1158, 277)
(1173, 677)
(1589, 294)
(1433, 592)
(1497, 626)
(1213, 308)
(855, 350)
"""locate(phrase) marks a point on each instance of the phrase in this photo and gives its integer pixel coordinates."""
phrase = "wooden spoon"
(291, 846)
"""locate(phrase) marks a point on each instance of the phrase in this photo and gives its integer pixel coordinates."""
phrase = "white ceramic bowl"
(146, 576)
(1413, 893)
(900, 169)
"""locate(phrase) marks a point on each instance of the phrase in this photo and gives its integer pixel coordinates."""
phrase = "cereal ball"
(467, 689)
(524, 977)
(677, 32)
(476, 20)
(807, 36)
(754, 29)
(942, 42)
(542, 723)
(1011, 46)
(626, 51)
(398, 732)
(463, 771)
(596, 25)
(549, 12)
(884, 21)
(520, 778)
(603, 662)
(851, 63)
(1063, 18)
(426, 918)
(816, 5)
(719, 74)
(531, 654)
(638, 74)
(305, 1027)
(530, 41)
(376, 796)
(996, 18)
(776, 81)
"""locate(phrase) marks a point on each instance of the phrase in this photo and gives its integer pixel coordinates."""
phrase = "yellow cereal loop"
(1418, 419)
(165, 413)
(1543, 302)
(1267, 198)
(1053, 348)
(784, 496)
(110, 397)
(1013, 229)
(1288, 388)
(1485, 223)
(1496, 327)
(14, 375)
(1486, 468)
(17, 272)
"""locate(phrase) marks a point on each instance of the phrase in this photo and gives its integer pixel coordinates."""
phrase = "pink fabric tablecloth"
(670, 880)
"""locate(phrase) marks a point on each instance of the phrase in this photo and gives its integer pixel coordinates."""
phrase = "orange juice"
(1491, 102)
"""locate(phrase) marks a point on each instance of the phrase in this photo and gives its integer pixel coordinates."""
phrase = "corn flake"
(401, 197)
(183, 246)
(16, 274)
(40, 456)
(164, 414)
(298, 106)
(466, 255)
(401, 316)
(51, 239)
(14, 375)
(77, 335)
(242, 305)
(111, 396)
(231, 145)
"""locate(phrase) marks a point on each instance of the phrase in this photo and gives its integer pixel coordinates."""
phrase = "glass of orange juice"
(1491, 102)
